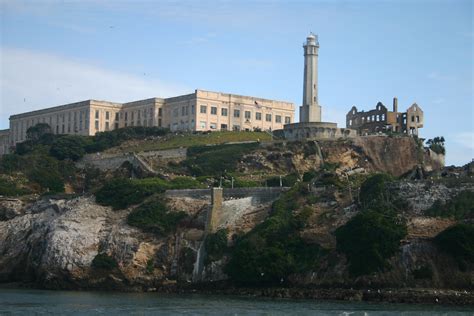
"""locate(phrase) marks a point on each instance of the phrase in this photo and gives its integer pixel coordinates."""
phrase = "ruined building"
(381, 119)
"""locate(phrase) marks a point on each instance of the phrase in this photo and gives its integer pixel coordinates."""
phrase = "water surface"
(42, 302)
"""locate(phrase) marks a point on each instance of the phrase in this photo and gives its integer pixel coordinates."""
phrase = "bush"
(69, 147)
(121, 193)
(368, 239)
(105, 262)
(309, 175)
(273, 250)
(459, 207)
(374, 193)
(216, 160)
(10, 188)
(437, 145)
(287, 181)
(185, 183)
(105, 140)
(216, 245)
(154, 217)
(458, 241)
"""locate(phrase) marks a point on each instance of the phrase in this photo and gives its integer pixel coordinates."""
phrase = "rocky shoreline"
(404, 295)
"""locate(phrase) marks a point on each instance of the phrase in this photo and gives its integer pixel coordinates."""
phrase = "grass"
(191, 140)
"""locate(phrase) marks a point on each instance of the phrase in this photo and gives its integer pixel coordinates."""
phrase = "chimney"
(395, 104)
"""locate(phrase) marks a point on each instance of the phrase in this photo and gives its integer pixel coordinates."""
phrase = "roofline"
(61, 107)
(245, 96)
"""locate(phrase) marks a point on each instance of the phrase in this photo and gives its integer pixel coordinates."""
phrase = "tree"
(437, 145)
(68, 147)
(35, 133)
(368, 239)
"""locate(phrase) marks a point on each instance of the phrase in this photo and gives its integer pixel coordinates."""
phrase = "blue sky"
(55, 52)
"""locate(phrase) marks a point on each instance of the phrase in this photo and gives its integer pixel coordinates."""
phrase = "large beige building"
(198, 111)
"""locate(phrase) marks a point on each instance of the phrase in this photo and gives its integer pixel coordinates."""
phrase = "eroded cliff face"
(394, 155)
(53, 243)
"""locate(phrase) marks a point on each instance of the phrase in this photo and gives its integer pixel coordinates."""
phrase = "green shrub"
(69, 147)
(287, 181)
(273, 250)
(309, 175)
(368, 239)
(216, 160)
(437, 145)
(150, 266)
(105, 140)
(154, 217)
(216, 245)
(374, 193)
(121, 193)
(458, 241)
(459, 207)
(185, 183)
(105, 262)
(10, 188)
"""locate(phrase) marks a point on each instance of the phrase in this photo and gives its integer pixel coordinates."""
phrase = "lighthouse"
(310, 111)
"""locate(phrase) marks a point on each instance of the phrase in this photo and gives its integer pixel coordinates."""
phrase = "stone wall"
(259, 195)
(316, 131)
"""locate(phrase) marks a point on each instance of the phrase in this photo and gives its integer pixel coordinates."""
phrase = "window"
(187, 110)
(224, 126)
(258, 116)
(213, 110)
(126, 117)
(203, 109)
(236, 127)
(278, 118)
(268, 117)
(116, 125)
(106, 126)
(175, 112)
(417, 119)
(159, 122)
(412, 118)
(287, 120)
(133, 116)
(224, 113)
(350, 122)
(160, 112)
(183, 111)
(96, 114)
(213, 125)
(192, 109)
(116, 116)
(247, 115)
(106, 115)
(236, 113)
(202, 124)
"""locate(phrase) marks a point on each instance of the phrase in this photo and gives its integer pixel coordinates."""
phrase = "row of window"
(247, 114)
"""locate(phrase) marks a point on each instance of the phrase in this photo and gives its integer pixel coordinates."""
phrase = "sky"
(57, 52)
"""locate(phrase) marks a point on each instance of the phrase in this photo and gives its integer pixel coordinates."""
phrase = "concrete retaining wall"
(259, 195)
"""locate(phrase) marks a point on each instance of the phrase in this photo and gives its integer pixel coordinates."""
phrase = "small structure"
(381, 119)
(310, 125)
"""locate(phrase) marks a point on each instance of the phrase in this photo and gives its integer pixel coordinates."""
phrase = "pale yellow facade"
(198, 111)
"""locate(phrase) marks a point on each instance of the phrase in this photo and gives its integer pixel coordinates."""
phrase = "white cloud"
(441, 77)
(465, 139)
(32, 80)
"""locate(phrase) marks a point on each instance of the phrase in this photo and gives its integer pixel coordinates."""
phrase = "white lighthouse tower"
(310, 111)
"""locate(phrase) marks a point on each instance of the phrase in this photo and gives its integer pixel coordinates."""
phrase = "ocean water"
(41, 302)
